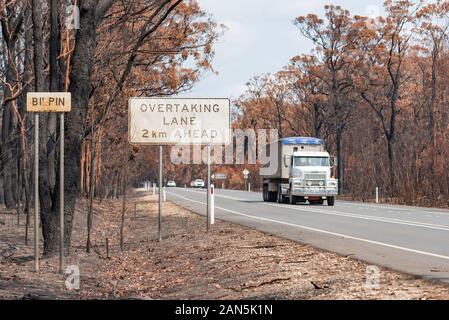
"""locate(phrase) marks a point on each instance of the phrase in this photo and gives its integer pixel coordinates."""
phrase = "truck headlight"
(298, 183)
(309, 183)
(332, 184)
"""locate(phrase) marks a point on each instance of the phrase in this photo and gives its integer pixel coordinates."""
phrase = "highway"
(413, 240)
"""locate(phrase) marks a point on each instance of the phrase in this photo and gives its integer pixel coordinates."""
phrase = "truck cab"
(303, 173)
(311, 179)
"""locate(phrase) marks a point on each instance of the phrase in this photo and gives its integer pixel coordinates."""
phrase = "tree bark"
(8, 134)
(340, 161)
(122, 224)
(82, 67)
(49, 199)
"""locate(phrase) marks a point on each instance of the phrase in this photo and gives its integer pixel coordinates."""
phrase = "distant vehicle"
(198, 183)
(171, 183)
(302, 171)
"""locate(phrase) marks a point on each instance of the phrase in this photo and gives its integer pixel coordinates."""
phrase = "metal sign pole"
(61, 193)
(208, 187)
(36, 192)
(160, 194)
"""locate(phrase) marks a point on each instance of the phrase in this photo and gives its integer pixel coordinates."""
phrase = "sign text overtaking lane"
(181, 121)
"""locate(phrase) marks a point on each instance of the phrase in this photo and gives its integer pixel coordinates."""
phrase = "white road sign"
(221, 176)
(181, 121)
(246, 172)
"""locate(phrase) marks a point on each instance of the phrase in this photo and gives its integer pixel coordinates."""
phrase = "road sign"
(49, 102)
(60, 102)
(221, 176)
(184, 121)
(246, 172)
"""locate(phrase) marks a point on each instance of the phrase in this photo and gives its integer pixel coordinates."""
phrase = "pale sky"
(261, 38)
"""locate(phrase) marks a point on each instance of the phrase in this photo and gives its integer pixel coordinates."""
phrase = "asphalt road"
(409, 239)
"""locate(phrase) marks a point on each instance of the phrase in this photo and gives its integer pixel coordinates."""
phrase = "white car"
(198, 183)
(171, 183)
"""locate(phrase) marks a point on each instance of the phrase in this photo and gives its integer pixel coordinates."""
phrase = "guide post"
(212, 204)
(245, 177)
(208, 188)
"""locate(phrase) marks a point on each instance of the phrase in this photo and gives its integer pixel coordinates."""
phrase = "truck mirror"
(287, 161)
(332, 162)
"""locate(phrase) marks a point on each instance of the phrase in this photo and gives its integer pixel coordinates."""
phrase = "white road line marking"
(222, 196)
(364, 217)
(354, 215)
(324, 231)
(386, 206)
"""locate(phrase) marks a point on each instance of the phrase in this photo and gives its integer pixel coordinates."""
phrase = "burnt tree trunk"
(122, 223)
(49, 200)
(82, 67)
(10, 32)
(340, 161)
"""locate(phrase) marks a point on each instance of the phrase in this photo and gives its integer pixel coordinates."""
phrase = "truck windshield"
(311, 162)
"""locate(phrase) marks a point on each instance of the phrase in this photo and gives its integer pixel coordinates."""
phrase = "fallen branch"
(273, 281)
(267, 246)
(299, 261)
(318, 287)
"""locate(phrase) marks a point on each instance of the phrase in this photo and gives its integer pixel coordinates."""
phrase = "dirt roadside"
(230, 262)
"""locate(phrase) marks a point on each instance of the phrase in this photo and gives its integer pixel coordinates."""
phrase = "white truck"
(299, 170)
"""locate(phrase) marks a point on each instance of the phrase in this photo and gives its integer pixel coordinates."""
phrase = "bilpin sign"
(49, 102)
(181, 121)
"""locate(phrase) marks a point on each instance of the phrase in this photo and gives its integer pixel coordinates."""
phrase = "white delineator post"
(377, 194)
(249, 187)
(154, 189)
(212, 204)
(164, 194)
(208, 187)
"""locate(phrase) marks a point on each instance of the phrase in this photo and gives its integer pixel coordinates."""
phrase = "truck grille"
(315, 183)
(315, 176)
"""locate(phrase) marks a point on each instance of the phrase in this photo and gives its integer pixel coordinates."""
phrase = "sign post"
(179, 121)
(36, 192)
(159, 217)
(49, 102)
(221, 176)
(61, 192)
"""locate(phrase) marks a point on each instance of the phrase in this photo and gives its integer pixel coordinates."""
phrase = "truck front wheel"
(293, 199)
(331, 201)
